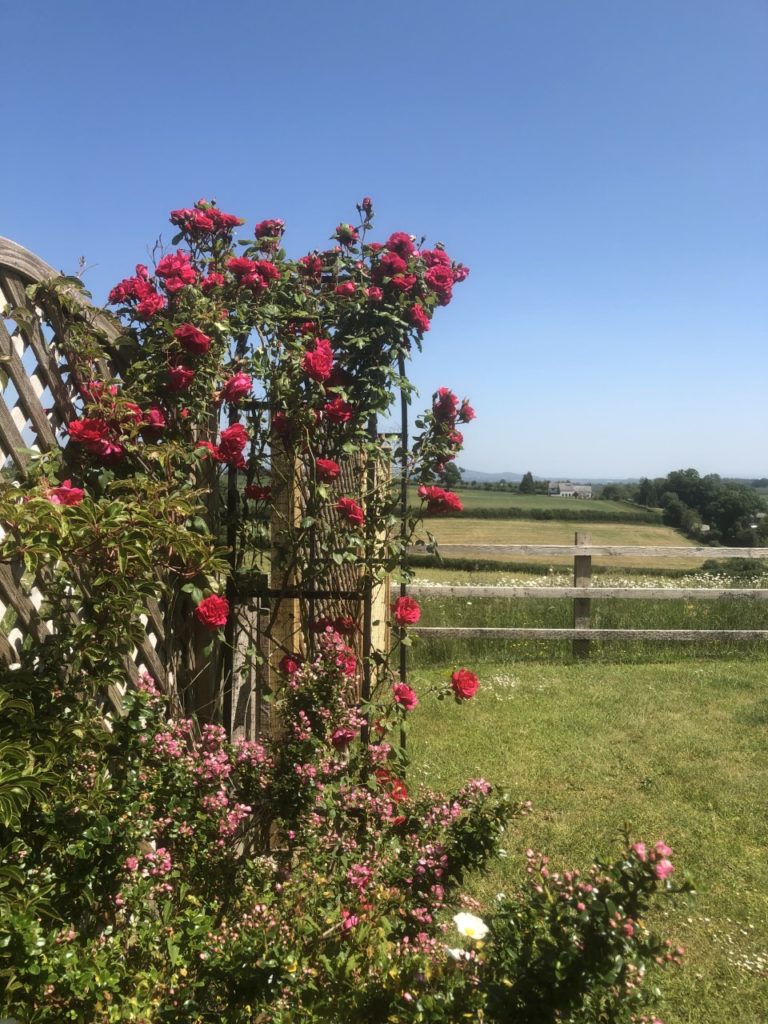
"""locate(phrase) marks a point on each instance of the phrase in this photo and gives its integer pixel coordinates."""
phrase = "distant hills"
(476, 476)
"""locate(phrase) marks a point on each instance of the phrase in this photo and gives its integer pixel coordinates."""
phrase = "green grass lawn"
(675, 750)
(472, 498)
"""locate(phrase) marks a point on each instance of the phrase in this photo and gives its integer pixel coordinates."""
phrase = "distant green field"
(499, 503)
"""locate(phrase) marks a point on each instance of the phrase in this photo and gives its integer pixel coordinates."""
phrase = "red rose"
(192, 339)
(444, 405)
(435, 257)
(318, 361)
(151, 305)
(212, 612)
(345, 234)
(401, 243)
(338, 411)
(418, 317)
(347, 289)
(351, 511)
(464, 684)
(269, 228)
(403, 282)
(291, 663)
(389, 265)
(406, 611)
(210, 282)
(176, 270)
(404, 696)
(231, 444)
(374, 294)
(65, 494)
(154, 418)
(440, 280)
(344, 625)
(257, 493)
(179, 378)
(253, 274)
(439, 500)
(88, 431)
(466, 412)
(326, 470)
(236, 387)
(312, 266)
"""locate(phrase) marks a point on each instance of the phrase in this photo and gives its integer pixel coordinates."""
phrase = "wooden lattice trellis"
(38, 397)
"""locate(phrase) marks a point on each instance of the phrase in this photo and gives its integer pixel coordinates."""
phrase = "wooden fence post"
(582, 577)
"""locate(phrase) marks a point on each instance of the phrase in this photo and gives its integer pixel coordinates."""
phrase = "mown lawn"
(459, 532)
(677, 751)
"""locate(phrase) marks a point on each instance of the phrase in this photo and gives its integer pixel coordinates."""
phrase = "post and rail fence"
(582, 593)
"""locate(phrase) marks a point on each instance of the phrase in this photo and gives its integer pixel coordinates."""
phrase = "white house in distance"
(565, 489)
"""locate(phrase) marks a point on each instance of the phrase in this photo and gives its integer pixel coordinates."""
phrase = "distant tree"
(647, 494)
(527, 485)
(614, 492)
(451, 476)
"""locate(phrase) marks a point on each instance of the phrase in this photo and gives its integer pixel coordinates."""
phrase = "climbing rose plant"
(152, 869)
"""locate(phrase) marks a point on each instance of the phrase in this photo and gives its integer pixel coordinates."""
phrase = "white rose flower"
(471, 926)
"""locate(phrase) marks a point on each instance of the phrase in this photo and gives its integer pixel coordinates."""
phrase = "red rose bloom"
(257, 493)
(231, 444)
(326, 470)
(210, 282)
(351, 511)
(418, 317)
(346, 234)
(403, 282)
(179, 378)
(444, 405)
(439, 500)
(65, 494)
(464, 684)
(435, 257)
(404, 696)
(389, 265)
(154, 418)
(192, 339)
(401, 243)
(291, 663)
(318, 361)
(212, 612)
(440, 280)
(338, 411)
(176, 270)
(312, 266)
(406, 611)
(236, 387)
(150, 306)
(269, 228)
(374, 294)
(88, 431)
(347, 289)
(466, 412)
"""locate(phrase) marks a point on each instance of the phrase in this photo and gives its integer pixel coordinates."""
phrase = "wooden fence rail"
(582, 593)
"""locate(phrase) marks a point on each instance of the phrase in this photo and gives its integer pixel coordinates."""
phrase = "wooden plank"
(534, 633)
(606, 551)
(30, 402)
(582, 579)
(596, 593)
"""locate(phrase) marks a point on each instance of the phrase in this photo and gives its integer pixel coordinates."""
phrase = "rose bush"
(154, 870)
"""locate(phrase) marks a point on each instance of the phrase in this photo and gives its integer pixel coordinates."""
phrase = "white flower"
(457, 954)
(471, 926)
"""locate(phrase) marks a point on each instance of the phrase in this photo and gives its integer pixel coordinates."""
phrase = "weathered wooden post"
(582, 577)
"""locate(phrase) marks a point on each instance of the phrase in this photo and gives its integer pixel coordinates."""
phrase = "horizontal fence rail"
(583, 593)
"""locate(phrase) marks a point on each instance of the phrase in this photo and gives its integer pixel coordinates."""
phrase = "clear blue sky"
(600, 165)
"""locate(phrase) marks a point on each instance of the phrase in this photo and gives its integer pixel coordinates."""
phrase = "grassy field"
(677, 751)
(462, 532)
(471, 498)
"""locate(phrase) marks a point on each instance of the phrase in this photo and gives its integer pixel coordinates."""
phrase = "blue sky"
(600, 165)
